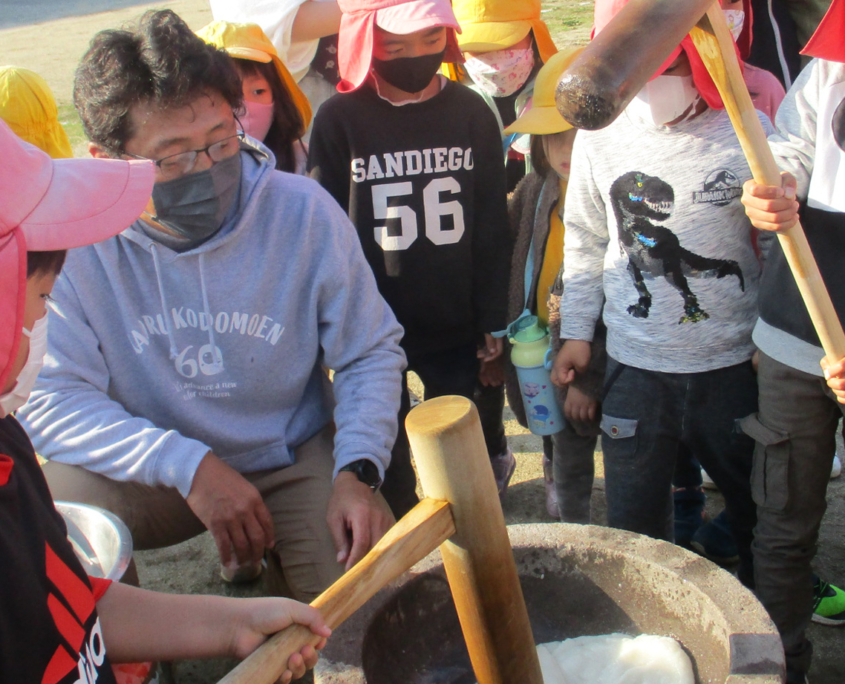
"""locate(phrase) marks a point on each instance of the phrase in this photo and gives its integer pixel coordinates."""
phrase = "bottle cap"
(528, 329)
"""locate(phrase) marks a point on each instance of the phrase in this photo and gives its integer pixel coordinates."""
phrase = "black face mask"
(410, 74)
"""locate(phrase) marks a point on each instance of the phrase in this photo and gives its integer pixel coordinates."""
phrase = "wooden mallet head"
(622, 58)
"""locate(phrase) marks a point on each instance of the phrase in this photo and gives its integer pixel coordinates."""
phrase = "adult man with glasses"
(185, 387)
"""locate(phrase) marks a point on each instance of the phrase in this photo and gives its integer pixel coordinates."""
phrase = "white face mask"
(665, 99)
(502, 72)
(736, 19)
(257, 119)
(13, 400)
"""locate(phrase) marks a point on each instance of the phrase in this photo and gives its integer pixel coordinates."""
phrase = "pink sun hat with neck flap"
(55, 204)
(357, 26)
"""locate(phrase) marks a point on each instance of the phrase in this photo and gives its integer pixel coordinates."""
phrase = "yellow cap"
(488, 25)
(28, 106)
(248, 41)
(542, 117)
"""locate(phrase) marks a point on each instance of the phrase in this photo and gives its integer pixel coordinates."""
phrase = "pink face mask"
(257, 119)
(502, 72)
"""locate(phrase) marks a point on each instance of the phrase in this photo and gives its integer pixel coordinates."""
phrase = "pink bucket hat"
(53, 204)
(355, 38)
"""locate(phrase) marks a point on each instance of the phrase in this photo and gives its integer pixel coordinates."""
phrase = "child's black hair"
(45, 263)
(287, 126)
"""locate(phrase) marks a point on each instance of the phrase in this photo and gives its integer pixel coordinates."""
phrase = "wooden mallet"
(463, 516)
(601, 82)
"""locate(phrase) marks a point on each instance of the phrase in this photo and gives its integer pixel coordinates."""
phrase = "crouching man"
(185, 385)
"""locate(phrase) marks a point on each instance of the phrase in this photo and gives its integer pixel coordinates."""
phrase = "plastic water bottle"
(530, 357)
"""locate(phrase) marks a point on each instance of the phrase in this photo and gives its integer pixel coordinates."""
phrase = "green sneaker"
(828, 603)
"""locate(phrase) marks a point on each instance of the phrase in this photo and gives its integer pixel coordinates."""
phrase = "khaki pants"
(297, 498)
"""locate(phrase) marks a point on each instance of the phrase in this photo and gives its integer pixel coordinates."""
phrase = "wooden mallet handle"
(453, 465)
(410, 540)
(714, 43)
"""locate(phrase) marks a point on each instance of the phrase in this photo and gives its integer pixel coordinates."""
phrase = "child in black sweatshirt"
(416, 161)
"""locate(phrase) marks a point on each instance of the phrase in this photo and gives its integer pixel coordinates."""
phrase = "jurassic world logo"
(721, 187)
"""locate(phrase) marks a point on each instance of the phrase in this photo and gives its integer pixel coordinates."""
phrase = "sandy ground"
(49, 36)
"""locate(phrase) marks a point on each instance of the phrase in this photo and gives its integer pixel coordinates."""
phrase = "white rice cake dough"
(615, 659)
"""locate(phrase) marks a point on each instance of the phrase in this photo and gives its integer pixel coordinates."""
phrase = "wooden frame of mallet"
(462, 515)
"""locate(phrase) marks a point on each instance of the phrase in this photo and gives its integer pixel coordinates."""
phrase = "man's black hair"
(160, 61)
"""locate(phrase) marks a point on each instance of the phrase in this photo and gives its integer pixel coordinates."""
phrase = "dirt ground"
(49, 36)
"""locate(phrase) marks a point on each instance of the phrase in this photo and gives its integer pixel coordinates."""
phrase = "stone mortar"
(577, 580)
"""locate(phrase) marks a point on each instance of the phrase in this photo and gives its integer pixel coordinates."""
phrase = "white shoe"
(836, 470)
(707, 481)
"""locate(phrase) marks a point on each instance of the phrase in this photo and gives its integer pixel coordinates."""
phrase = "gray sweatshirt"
(156, 357)
(654, 223)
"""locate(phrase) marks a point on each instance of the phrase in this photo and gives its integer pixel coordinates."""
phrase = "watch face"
(368, 474)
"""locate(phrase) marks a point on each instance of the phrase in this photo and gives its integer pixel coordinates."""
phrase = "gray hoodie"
(133, 388)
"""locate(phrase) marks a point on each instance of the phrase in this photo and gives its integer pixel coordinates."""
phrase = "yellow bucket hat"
(28, 106)
(248, 41)
(489, 25)
(542, 117)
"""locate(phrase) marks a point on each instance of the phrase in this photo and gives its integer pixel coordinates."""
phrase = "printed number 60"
(189, 368)
(434, 211)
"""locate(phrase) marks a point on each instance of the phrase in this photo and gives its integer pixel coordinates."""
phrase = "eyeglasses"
(177, 165)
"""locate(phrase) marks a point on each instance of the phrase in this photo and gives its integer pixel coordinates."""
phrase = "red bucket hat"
(53, 204)
(828, 42)
(607, 9)
(355, 37)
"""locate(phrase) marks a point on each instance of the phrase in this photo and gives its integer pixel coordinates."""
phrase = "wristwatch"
(366, 471)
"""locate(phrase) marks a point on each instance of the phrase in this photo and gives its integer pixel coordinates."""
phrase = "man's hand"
(232, 510)
(770, 207)
(579, 407)
(492, 348)
(834, 373)
(357, 517)
(574, 357)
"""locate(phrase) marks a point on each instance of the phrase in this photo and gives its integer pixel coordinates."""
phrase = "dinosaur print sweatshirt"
(655, 225)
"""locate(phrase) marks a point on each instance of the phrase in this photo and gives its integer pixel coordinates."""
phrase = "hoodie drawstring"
(217, 359)
(174, 352)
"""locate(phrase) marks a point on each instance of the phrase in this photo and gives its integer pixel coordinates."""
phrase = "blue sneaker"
(689, 513)
(715, 541)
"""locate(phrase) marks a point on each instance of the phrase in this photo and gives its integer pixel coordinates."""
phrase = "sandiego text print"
(442, 219)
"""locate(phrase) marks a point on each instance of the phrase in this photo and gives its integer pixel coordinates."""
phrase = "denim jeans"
(795, 432)
(648, 417)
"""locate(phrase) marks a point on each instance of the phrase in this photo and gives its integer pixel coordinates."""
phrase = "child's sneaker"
(689, 513)
(828, 603)
(715, 541)
(503, 466)
(836, 469)
(707, 481)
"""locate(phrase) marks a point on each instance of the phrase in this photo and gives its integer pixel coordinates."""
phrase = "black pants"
(454, 371)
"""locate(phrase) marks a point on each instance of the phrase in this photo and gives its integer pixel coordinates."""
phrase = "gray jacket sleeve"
(360, 339)
(586, 242)
(70, 416)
